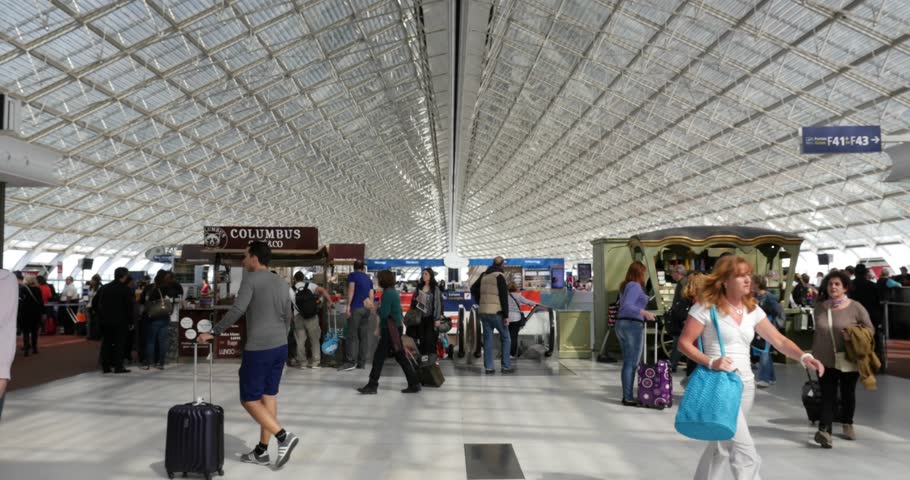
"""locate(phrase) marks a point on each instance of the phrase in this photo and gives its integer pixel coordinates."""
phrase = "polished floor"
(556, 421)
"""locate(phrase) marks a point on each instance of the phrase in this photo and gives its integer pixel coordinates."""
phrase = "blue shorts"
(260, 372)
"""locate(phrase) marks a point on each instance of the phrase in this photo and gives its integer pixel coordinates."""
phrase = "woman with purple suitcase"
(630, 326)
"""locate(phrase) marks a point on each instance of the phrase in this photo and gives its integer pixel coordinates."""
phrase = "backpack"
(676, 317)
(305, 301)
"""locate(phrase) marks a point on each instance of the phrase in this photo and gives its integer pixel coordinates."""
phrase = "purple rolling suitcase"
(195, 432)
(655, 386)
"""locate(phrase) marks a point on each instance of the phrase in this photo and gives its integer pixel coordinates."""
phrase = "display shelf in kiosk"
(194, 321)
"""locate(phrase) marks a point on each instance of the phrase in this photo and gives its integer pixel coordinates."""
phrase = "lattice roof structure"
(573, 120)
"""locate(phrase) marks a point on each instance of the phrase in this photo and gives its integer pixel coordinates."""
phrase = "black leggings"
(30, 336)
(382, 351)
(514, 328)
(425, 335)
(832, 381)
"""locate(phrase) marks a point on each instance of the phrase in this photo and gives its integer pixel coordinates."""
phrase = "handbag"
(162, 308)
(394, 334)
(710, 406)
(412, 318)
(840, 358)
(524, 319)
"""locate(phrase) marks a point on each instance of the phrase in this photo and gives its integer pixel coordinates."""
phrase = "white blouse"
(737, 338)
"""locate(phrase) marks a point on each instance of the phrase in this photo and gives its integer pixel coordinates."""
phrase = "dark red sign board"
(279, 238)
(347, 251)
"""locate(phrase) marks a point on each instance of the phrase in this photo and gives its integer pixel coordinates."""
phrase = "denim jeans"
(675, 355)
(766, 368)
(490, 322)
(631, 340)
(156, 336)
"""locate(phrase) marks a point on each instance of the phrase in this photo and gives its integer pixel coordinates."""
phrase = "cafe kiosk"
(697, 248)
(291, 247)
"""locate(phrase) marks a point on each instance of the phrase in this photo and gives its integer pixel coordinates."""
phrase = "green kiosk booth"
(772, 255)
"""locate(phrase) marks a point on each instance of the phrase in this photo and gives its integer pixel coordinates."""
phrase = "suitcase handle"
(644, 342)
(198, 400)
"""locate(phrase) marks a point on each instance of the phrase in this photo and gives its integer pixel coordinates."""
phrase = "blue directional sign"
(851, 139)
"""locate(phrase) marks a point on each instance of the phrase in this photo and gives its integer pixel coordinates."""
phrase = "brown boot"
(823, 438)
(849, 433)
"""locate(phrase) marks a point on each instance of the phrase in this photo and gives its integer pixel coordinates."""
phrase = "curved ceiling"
(580, 119)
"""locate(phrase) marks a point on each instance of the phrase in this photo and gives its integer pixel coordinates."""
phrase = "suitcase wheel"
(220, 473)
(170, 474)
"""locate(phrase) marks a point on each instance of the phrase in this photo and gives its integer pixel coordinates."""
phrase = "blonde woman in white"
(729, 290)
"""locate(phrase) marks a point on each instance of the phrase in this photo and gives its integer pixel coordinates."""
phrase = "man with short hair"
(491, 292)
(678, 274)
(69, 295)
(114, 302)
(263, 298)
(360, 288)
(307, 327)
(903, 278)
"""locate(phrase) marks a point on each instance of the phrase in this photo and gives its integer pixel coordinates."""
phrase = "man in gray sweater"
(263, 297)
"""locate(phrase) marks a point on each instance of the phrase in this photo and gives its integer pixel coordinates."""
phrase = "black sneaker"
(255, 459)
(285, 448)
(347, 367)
(507, 371)
(367, 390)
(489, 371)
(122, 370)
(629, 403)
(412, 389)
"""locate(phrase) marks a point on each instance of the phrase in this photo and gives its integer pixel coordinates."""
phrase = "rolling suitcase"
(195, 432)
(812, 401)
(655, 386)
(429, 374)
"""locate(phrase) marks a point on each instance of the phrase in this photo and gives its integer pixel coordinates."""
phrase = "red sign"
(279, 238)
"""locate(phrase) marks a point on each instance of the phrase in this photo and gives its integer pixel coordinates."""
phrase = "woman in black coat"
(31, 307)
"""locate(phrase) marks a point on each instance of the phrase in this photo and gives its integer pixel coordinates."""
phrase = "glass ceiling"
(592, 119)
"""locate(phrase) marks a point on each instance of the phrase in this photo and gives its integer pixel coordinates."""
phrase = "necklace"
(738, 311)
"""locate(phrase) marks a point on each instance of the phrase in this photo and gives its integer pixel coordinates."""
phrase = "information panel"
(851, 139)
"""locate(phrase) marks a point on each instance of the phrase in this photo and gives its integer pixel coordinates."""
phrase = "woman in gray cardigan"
(427, 299)
(834, 314)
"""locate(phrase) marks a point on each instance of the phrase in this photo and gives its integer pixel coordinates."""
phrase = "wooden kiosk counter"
(291, 247)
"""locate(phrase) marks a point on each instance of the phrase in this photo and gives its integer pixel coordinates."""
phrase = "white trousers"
(739, 451)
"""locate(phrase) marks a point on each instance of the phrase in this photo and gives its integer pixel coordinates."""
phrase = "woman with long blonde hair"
(727, 296)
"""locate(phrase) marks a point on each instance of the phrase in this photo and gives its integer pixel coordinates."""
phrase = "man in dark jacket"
(867, 294)
(115, 306)
(491, 293)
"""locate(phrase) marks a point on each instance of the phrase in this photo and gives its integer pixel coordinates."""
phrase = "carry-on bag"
(655, 386)
(50, 325)
(195, 432)
(429, 374)
(812, 401)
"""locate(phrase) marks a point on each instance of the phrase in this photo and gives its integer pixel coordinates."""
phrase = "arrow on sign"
(875, 140)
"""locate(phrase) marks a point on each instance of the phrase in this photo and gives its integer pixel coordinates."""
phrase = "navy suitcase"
(195, 433)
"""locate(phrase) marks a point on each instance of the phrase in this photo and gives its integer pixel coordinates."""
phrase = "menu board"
(195, 321)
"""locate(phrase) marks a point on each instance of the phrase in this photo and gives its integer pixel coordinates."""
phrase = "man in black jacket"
(115, 306)
(867, 294)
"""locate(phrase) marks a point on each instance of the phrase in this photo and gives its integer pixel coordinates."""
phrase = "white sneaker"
(762, 384)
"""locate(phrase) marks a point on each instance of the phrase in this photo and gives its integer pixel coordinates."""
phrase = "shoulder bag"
(710, 405)
(840, 358)
(161, 307)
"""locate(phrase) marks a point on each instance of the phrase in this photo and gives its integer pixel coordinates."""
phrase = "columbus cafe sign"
(278, 238)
